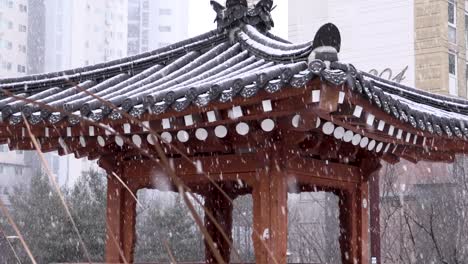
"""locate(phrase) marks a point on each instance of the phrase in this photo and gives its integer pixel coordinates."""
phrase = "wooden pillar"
(121, 220)
(354, 225)
(374, 207)
(221, 208)
(270, 217)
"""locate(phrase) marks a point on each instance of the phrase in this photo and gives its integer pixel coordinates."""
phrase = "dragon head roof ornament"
(237, 12)
(326, 44)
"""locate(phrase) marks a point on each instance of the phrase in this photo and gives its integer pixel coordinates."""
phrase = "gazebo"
(231, 112)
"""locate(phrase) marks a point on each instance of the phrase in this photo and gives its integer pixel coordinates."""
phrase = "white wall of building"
(15, 171)
(84, 32)
(375, 34)
(68, 169)
(156, 23)
(13, 37)
(169, 22)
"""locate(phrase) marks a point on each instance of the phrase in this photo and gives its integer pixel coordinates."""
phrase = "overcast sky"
(202, 17)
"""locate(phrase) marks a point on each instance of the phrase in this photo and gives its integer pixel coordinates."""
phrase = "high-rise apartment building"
(428, 37)
(74, 33)
(13, 37)
(14, 166)
(83, 32)
(16, 169)
(156, 23)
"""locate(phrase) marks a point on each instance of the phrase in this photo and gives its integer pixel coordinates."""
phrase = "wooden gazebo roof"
(246, 106)
(228, 76)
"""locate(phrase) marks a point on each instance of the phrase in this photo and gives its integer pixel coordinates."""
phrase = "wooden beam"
(203, 170)
(329, 97)
(308, 169)
(285, 103)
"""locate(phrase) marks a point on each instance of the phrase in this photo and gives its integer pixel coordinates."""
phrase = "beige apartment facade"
(426, 36)
(440, 46)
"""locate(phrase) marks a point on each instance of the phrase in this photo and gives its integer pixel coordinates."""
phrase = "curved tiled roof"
(215, 66)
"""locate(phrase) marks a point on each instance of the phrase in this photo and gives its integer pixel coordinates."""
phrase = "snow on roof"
(237, 60)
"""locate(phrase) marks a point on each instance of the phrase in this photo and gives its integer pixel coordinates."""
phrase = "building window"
(452, 13)
(452, 64)
(18, 171)
(21, 68)
(466, 30)
(7, 65)
(145, 4)
(453, 80)
(145, 19)
(23, 8)
(466, 76)
(164, 28)
(452, 21)
(452, 34)
(55, 165)
(22, 48)
(165, 12)
(1, 168)
(8, 45)
(22, 28)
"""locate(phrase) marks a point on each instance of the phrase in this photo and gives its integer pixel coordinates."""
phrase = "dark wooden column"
(270, 217)
(354, 225)
(221, 209)
(121, 220)
(374, 207)
(120, 213)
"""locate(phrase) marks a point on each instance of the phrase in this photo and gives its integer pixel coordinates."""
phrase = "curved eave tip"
(328, 35)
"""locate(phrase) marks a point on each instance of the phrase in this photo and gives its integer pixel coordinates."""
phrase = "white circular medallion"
(136, 140)
(371, 145)
(242, 129)
(339, 132)
(379, 147)
(328, 128)
(150, 138)
(318, 123)
(183, 136)
(268, 125)
(101, 141)
(201, 134)
(221, 131)
(364, 142)
(295, 121)
(356, 139)
(119, 141)
(348, 136)
(166, 137)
